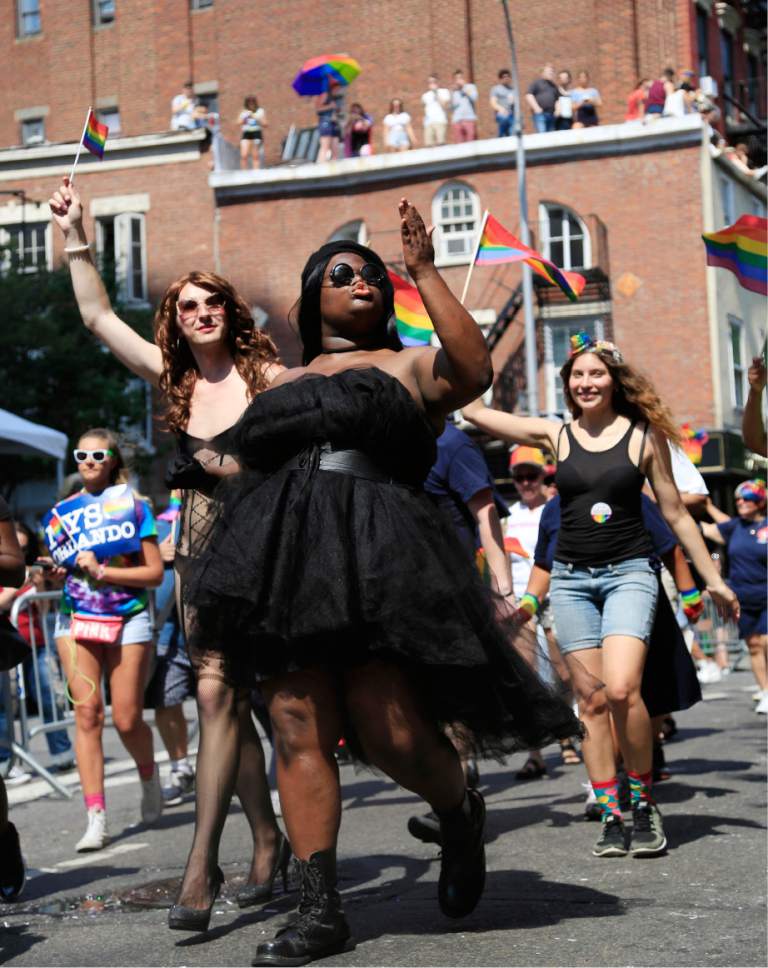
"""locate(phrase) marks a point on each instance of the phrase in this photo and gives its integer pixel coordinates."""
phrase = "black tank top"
(601, 519)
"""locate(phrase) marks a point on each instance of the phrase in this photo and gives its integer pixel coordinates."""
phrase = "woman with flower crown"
(603, 588)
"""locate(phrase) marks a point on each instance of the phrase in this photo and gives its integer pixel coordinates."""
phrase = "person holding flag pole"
(209, 360)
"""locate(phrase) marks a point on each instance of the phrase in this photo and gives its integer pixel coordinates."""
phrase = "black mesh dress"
(309, 566)
(200, 464)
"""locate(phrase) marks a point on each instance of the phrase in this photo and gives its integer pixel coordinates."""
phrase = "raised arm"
(461, 369)
(139, 355)
(752, 427)
(658, 469)
(536, 431)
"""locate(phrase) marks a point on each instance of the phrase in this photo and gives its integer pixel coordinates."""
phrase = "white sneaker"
(96, 835)
(762, 706)
(708, 672)
(17, 775)
(151, 799)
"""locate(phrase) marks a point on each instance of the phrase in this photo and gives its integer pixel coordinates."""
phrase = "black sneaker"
(648, 838)
(12, 871)
(182, 783)
(425, 829)
(612, 840)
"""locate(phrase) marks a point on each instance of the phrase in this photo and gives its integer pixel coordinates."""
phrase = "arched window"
(456, 216)
(564, 237)
(354, 231)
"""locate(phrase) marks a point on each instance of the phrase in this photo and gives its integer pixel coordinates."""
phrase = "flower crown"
(584, 342)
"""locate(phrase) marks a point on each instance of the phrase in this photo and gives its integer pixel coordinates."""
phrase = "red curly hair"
(252, 350)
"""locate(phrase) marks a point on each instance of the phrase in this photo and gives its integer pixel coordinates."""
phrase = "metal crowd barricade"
(713, 631)
(41, 652)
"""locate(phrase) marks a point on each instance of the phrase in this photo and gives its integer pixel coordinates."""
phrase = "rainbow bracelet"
(692, 596)
(530, 604)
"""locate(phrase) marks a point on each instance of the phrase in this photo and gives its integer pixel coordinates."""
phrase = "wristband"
(100, 572)
(529, 603)
(78, 248)
(691, 596)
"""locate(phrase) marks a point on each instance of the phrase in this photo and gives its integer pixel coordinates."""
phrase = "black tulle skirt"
(308, 568)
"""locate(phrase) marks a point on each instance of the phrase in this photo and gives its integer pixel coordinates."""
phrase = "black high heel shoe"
(181, 918)
(250, 894)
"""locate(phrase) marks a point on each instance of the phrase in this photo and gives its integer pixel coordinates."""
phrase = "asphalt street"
(547, 900)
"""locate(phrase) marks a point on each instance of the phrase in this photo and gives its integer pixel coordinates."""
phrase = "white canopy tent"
(20, 436)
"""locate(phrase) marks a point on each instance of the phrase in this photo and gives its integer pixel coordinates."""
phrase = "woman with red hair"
(209, 360)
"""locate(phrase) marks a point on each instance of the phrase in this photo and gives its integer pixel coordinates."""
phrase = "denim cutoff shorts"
(593, 603)
(136, 629)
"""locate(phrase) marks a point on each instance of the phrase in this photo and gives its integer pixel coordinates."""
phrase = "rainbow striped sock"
(640, 787)
(607, 794)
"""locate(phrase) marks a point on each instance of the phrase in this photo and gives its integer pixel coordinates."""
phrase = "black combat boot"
(462, 867)
(320, 929)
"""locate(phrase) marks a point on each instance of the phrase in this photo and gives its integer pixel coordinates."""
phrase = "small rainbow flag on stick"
(414, 326)
(497, 245)
(742, 248)
(94, 138)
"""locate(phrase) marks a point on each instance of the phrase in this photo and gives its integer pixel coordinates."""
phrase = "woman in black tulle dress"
(333, 580)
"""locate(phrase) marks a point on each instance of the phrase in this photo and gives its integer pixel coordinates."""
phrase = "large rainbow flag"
(413, 324)
(742, 248)
(497, 245)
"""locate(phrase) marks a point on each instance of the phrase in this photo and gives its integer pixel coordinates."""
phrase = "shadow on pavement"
(16, 940)
(688, 828)
(512, 899)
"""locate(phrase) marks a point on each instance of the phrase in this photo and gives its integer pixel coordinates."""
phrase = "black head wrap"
(308, 306)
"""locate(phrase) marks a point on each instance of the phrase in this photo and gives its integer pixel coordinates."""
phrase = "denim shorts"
(136, 629)
(593, 603)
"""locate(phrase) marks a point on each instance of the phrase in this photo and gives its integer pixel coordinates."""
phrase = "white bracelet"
(79, 248)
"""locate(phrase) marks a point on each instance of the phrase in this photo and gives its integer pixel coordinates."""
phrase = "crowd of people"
(450, 112)
(309, 498)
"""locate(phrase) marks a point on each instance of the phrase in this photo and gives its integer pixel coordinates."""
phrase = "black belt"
(323, 457)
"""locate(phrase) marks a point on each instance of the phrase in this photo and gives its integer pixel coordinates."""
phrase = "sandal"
(531, 770)
(569, 753)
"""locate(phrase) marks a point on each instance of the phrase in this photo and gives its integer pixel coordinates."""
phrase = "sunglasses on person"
(97, 456)
(214, 305)
(343, 275)
(527, 477)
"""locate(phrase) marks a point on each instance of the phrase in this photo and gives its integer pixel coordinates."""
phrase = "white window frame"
(737, 371)
(97, 15)
(551, 367)
(441, 237)
(200, 4)
(7, 230)
(564, 234)
(123, 253)
(105, 113)
(25, 139)
(727, 200)
(20, 18)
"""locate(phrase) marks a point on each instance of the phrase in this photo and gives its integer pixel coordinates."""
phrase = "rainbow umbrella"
(315, 74)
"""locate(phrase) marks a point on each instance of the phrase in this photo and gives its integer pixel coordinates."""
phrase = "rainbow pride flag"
(95, 135)
(497, 245)
(174, 507)
(742, 249)
(413, 324)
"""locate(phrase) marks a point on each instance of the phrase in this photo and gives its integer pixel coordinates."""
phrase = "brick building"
(624, 203)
